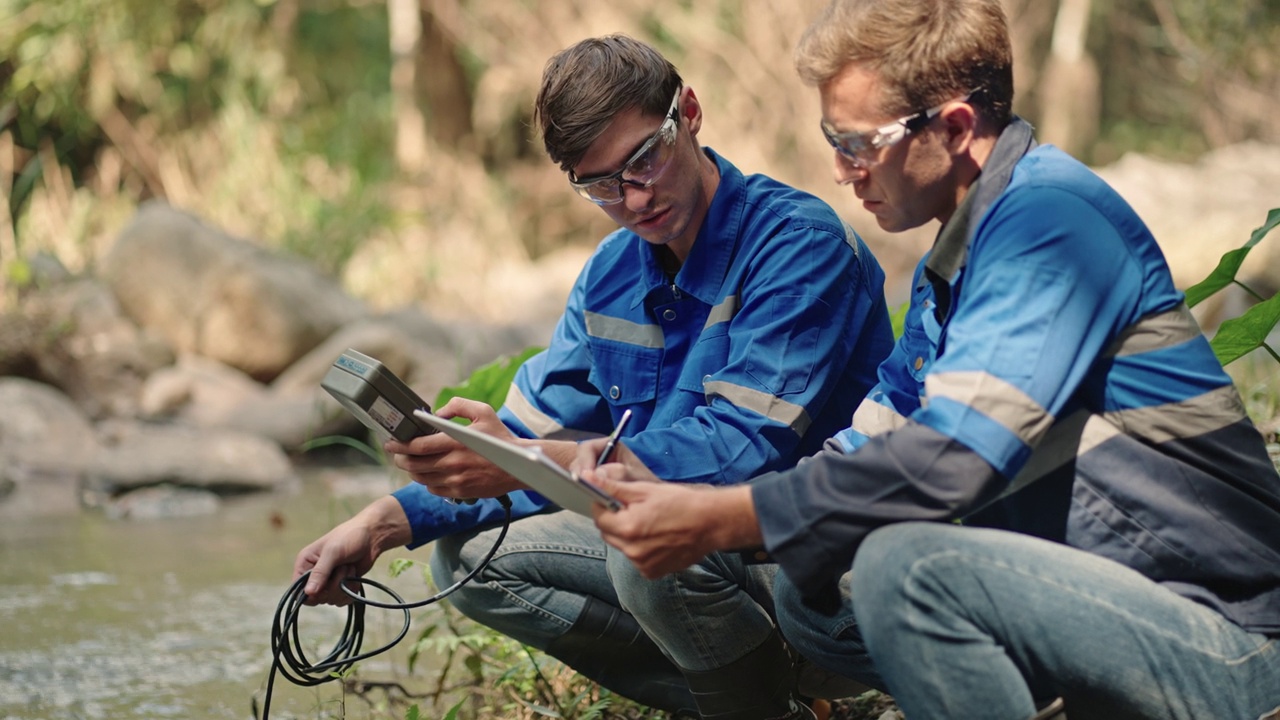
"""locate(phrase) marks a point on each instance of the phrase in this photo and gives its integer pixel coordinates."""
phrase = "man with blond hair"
(1054, 495)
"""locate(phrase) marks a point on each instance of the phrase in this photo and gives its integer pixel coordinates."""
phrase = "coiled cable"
(289, 659)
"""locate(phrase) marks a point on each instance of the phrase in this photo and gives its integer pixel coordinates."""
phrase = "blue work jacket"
(1050, 381)
(748, 359)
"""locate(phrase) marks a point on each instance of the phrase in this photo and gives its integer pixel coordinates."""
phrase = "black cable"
(288, 656)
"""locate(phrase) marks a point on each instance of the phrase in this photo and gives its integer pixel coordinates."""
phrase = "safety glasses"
(642, 169)
(862, 149)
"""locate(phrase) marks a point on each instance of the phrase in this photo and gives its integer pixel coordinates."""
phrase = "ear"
(959, 122)
(691, 110)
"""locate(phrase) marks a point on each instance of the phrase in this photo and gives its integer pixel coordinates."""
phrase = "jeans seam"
(1136, 620)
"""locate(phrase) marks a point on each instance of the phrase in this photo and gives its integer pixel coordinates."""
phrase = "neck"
(708, 183)
(967, 169)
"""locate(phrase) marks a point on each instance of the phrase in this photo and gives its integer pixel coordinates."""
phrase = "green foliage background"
(274, 118)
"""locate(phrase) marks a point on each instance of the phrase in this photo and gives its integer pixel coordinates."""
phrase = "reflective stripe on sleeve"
(1156, 332)
(997, 399)
(625, 331)
(538, 422)
(1192, 417)
(770, 406)
(871, 418)
(723, 312)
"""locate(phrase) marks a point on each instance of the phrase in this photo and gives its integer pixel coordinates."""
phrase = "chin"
(890, 224)
(897, 224)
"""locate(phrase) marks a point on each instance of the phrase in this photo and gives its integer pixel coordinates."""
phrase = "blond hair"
(925, 52)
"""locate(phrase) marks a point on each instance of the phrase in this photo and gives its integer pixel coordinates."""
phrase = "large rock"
(53, 460)
(197, 391)
(222, 297)
(1199, 211)
(73, 335)
(135, 455)
(47, 446)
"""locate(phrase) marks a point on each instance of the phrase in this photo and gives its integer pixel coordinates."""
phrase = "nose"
(847, 170)
(637, 198)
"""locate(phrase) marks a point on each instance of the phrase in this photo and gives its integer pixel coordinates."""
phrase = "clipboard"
(528, 465)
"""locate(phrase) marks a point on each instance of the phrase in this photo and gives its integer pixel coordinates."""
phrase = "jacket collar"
(703, 272)
(951, 248)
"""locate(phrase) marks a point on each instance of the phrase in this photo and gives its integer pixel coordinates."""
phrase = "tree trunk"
(1070, 88)
(442, 80)
(410, 126)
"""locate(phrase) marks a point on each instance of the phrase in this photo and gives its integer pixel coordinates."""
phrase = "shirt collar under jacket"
(951, 248)
(704, 271)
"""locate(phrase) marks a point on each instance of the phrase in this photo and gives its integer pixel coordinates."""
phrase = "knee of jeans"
(887, 556)
(793, 616)
(452, 559)
(636, 593)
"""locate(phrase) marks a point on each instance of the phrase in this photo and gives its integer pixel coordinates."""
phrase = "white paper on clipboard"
(528, 465)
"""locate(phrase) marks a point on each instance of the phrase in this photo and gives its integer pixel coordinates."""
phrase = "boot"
(606, 645)
(756, 686)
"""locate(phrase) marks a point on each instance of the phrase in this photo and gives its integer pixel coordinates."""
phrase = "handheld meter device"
(376, 396)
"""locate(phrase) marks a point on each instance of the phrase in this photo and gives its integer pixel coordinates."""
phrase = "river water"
(171, 618)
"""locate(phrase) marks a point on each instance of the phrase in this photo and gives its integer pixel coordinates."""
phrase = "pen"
(613, 438)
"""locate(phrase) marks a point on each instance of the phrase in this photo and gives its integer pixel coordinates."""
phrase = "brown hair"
(584, 86)
(925, 52)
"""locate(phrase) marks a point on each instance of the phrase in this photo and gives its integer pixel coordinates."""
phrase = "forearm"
(735, 525)
(386, 522)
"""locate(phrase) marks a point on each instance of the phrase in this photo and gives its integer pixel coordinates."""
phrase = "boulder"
(47, 446)
(162, 501)
(222, 297)
(134, 455)
(72, 335)
(197, 391)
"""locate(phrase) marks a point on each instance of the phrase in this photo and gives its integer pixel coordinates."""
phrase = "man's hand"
(665, 527)
(448, 468)
(350, 549)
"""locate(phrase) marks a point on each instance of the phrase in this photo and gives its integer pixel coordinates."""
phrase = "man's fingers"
(615, 480)
(316, 581)
(472, 410)
(584, 461)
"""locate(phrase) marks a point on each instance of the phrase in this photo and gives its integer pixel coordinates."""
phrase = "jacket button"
(668, 314)
(919, 363)
(615, 392)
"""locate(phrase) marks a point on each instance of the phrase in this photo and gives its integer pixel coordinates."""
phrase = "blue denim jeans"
(704, 617)
(974, 623)
(538, 581)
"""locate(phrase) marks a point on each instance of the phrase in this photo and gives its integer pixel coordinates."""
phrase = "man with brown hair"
(738, 319)
(1118, 545)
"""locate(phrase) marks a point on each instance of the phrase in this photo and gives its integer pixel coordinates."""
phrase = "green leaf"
(1229, 265)
(1273, 219)
(399, 565)
(1219, 278)
(453, 711)
(489, 383)
(1242, 335)
(375, 454)
(423, 641)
